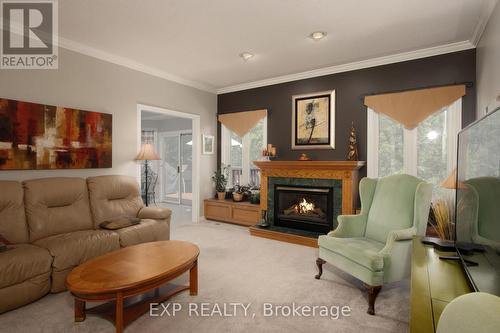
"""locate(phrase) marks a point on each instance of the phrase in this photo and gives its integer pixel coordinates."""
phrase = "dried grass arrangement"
(442, 219)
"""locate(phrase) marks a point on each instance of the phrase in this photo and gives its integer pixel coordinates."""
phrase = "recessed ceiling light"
(246, 56)
(317, 35)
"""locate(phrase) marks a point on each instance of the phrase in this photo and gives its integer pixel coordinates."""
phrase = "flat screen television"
(477, 206)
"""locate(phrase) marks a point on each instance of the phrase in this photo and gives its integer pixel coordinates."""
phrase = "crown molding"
(126, 62)
(405, 56)
(117, 60)
(486, 11)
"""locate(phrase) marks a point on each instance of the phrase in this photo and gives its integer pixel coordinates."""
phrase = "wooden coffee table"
(131, 278)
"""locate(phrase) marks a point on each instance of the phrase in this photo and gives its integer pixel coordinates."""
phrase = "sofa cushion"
(392, 206)
(74, 248)
(22, 262)
(24, 292)
(4, 240)
(360, 250)
(56, 206)
(12, 219)
(112, 197)
(146, 231)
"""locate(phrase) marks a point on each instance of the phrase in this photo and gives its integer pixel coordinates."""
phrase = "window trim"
(453, 126)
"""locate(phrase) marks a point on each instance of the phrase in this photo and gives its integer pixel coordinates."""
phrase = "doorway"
(175, 136)
(177, 167)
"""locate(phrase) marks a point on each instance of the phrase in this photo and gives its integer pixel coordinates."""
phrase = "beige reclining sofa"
(53, 226)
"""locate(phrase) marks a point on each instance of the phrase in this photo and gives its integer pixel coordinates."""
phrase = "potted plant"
(240, 191)
(220, 178)
(255, 197)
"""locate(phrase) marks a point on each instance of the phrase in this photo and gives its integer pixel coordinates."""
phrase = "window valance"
(242, 122)
(412, 107)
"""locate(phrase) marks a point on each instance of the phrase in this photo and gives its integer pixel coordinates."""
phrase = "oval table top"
(132, 266)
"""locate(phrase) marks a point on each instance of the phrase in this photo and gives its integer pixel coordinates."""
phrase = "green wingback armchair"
(481, 195)
(375, 246)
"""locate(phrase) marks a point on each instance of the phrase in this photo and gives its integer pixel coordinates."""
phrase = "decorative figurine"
(304, 157)
(353, 145)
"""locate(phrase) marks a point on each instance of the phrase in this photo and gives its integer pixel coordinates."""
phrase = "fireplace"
(308, 208)
(338, 178)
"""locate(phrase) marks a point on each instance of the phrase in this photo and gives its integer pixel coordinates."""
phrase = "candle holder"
(269, 153)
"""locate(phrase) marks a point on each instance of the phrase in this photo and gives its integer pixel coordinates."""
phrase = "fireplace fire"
(304, 208)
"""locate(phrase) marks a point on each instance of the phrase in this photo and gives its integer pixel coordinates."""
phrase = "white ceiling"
(146, 115)
(197, 42)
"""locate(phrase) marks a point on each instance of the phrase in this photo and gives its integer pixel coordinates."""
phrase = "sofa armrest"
(349, 226)
(154, 213)
(396, 236)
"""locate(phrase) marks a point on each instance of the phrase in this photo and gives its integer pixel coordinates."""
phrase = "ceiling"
(197, 42)
(147, 115)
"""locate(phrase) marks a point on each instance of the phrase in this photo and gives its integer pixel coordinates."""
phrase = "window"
(148, 136)
(239, 153)
(428, 151)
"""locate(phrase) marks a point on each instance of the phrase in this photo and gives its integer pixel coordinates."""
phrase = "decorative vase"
(237, 196)
(221, 195)
(263, 219)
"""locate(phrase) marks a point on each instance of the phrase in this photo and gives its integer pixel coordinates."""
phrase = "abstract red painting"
(38, 136)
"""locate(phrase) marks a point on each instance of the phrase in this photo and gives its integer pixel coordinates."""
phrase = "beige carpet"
(235, 267)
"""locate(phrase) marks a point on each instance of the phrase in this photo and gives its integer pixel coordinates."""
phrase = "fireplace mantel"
(329, 165)
(347, 171)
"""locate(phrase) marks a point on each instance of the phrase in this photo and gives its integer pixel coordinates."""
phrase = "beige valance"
(412, 107)
(242, 122)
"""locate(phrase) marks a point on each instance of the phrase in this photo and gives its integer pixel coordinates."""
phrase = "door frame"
(196, 133)
(177, 134)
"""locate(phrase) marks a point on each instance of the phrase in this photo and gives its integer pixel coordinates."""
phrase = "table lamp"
(147, 154)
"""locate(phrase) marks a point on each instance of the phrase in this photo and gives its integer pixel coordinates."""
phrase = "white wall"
(91, 84)
(488, 65)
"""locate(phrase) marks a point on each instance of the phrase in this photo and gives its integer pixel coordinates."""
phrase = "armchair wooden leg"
(319, 263)
(372, 296)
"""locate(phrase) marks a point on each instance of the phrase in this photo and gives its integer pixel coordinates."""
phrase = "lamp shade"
(450, 181)
(147, 153)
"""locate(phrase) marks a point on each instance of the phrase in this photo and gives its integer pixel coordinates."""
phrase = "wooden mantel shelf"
(322, 165)
(346, 171)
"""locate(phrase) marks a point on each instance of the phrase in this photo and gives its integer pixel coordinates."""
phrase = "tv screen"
(477, 207)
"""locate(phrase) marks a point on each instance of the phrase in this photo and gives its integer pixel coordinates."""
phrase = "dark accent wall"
(447, 69)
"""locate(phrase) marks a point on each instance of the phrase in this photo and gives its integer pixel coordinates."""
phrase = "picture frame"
(35, 136)
(208, 144)
(313, 121)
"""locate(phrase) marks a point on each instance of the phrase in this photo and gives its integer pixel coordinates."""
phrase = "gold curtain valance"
(242, 122)
(410, 108)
